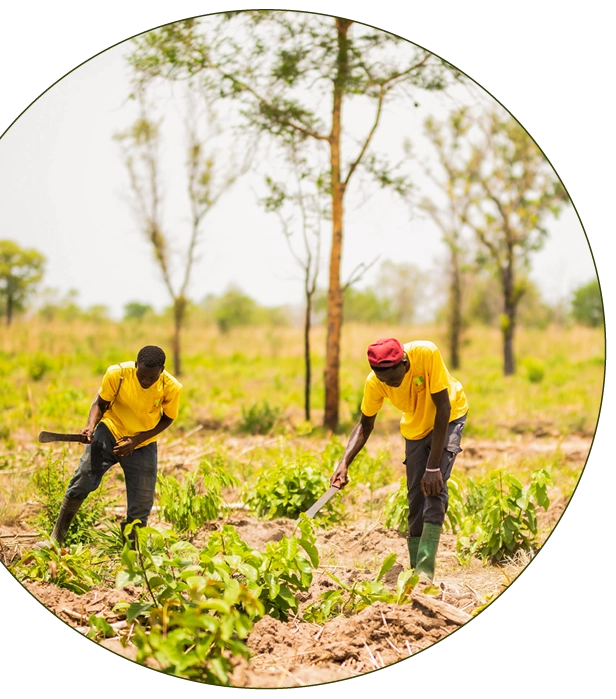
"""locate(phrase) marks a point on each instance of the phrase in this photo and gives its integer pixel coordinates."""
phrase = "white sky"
(64, 185)
(552, 61)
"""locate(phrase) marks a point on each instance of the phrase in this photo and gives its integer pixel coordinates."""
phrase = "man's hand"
(432, 483)
(126, 446)
(87, 432)
(340, 476)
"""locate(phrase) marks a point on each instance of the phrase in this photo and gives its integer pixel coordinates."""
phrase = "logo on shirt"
(419, 382)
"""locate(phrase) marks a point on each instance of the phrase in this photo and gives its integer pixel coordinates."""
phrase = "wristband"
(432, 470)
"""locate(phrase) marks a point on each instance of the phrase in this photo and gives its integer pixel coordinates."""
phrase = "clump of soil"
(292, 654)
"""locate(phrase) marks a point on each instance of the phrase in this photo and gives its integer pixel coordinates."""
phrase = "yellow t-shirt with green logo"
(427, 374)
(136, 409)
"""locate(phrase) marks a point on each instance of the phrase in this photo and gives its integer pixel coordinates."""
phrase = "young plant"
(259, 418)
(348, 600)
(74, 569)
(198, 607)
(496, 517)
(188, 505)
(289, 488)
(396, 510)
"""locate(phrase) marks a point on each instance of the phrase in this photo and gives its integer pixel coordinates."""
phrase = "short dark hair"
(151, 356)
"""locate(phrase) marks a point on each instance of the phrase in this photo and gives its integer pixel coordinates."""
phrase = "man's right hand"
(87, 432)
(340, 476)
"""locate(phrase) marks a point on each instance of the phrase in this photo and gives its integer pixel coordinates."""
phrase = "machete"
(45, 437)
(325, 498)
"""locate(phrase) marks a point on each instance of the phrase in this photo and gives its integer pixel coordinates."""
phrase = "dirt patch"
(294, 654)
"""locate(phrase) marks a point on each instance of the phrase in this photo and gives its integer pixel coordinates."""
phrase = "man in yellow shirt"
(135, 403)
(433, 404)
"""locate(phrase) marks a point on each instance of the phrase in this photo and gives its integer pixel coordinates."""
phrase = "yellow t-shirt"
(136, 409)
(427, 374)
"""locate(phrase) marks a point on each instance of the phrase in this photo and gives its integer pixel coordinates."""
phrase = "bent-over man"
(434, 407)
(135, 403)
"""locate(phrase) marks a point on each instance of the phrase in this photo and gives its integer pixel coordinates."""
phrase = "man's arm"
(128, 444)
(357, 439)
(97, 410)
(432, 482)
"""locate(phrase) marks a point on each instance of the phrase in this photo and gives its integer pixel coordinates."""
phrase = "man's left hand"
(126, 446)
(432, 483)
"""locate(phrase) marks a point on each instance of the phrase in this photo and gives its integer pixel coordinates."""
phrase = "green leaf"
(387, 565)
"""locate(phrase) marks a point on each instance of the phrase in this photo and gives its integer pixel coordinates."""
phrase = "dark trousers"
(424, 508)
(139, 473)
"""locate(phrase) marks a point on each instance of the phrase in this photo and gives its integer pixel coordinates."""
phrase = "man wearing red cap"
(416, 381)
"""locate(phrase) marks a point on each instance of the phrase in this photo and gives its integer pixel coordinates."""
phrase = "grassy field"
(50, 372)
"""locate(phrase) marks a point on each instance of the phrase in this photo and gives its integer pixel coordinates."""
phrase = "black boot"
(67, 513)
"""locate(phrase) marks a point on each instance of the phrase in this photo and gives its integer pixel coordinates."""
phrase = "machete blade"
(45, 437)
(325, 498)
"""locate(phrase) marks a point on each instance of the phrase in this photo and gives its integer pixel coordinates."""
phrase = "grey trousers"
(139, 468)
(424, 508)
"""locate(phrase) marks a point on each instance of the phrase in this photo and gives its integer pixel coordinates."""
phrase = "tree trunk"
(508, 322)
(455, 327)
(9, 308)
(307, 364)
(334, 295)
(179, 312)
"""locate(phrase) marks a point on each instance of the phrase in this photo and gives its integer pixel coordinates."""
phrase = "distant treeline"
(408, 302)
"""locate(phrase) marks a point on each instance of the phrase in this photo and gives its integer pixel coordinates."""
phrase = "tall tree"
(514, 191)
(448, 139)
(206, 182)
(20, 271)
(299, 206)
(298, 75)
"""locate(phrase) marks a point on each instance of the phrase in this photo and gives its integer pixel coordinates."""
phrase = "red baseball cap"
(385, 353)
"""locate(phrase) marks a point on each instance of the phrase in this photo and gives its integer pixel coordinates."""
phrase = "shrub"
(188, 505)
(289, 488)
(535, 370)
(259, 418)
(496, 517)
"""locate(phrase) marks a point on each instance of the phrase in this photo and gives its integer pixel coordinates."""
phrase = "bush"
(288, 488)
(259, 418)
(535, 370)
(188, 505)
(496, 517)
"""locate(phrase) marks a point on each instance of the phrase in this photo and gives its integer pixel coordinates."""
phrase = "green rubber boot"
(426, 554)
(413, 545)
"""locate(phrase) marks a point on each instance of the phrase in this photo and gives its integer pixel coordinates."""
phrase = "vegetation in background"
(587, 305)
(21, 270)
